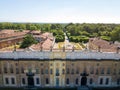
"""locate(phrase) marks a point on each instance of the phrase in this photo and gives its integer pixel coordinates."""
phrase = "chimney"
(99, 48)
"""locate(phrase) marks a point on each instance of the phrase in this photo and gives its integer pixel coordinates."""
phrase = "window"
(68, 71)
(76, 81)
(47, 81)
(101, 81)
(57, 72)
(92, 70)
(23, 80)
(63, 71)
(42, 72)
(108, 71)
(5, 68)
(118, 81)
(91, 80)
(41, 64)
(72, 72)
(102, 70)
(17, 70)
(51, 71)
(37, 81)
(46, 71)
(67, 81)
(6, 81)
(12, 80)
(11, 68)
(107, 81)
(22, 69)
(57, 81)
(37, 71)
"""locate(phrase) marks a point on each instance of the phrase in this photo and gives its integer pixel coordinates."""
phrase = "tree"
(115, 34)
(28, 41)
(33, 28)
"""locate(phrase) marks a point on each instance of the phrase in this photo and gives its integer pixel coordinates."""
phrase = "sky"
(60, 11)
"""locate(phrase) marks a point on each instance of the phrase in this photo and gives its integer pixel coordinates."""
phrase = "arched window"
(107, 81)
(101, 81)
(91, 80)
(67, 81)
(76, 81)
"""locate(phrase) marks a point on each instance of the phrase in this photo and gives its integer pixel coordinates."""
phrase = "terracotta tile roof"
(11, 33)
(105, 46)
(47, 41)
(46, 45)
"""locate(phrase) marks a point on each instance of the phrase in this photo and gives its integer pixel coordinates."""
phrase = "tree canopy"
(28, 41)
(75, 32)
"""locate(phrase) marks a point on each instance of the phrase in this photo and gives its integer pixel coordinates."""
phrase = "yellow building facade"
(59, 69)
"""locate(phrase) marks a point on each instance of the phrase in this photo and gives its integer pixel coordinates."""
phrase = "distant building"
(59, 69)
(98, 44)
(11, 37)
